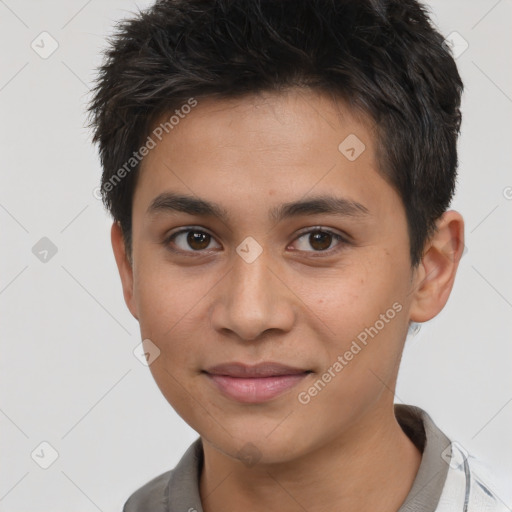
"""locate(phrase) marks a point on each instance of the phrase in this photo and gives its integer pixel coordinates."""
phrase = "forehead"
(294, 120)
(273, 145)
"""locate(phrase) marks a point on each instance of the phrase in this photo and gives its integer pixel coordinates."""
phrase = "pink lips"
(255, 384)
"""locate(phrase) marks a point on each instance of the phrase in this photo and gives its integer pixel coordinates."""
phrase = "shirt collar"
(181, 486)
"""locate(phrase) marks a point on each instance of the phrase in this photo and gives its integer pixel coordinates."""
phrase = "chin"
(255, 442)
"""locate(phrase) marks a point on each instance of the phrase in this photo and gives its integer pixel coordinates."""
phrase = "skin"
(298, 303)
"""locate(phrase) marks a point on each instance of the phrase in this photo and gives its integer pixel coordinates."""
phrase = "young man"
(280, 174)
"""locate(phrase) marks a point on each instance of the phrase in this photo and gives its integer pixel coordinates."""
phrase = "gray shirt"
(178, 490)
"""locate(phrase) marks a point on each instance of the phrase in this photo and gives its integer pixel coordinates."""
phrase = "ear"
(124, 266)
(435, 274)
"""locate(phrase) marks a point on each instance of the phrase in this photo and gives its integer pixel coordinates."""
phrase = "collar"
(178, 490)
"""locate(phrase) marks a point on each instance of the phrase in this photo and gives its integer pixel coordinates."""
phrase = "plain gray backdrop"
(68, 373)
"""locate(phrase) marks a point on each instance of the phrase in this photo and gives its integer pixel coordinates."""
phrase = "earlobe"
(436, 272)
(124, 266)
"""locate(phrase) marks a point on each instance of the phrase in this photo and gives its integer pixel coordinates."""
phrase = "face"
(293, 270)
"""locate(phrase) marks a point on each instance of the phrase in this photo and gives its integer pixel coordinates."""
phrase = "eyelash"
(342, 241)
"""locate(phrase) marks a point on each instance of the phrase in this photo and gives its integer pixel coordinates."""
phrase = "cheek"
(165, 302)
(162, 291)
(352, 298)
(366, 312)
(361, 368)
(168, 306)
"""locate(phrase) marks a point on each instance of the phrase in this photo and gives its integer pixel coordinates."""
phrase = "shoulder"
(174, 490)
(484, 495)
(151, 497)
(469, 485)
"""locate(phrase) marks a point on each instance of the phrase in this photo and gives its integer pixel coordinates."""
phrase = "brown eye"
(190, 240)
(198, 240)
(319, 240)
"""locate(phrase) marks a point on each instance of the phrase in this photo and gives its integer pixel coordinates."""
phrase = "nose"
(252, 299)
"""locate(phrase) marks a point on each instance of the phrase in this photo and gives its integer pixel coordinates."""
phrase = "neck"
(365, 468)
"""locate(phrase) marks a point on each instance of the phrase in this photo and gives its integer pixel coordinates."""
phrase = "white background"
(67, 369)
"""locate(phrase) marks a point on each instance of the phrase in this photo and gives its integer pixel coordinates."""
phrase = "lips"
(254, 384)
(241, 370)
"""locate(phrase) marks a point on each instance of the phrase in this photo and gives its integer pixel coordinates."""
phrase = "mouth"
(254, 384)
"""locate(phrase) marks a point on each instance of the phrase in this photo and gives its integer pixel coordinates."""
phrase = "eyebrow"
(325, 204)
